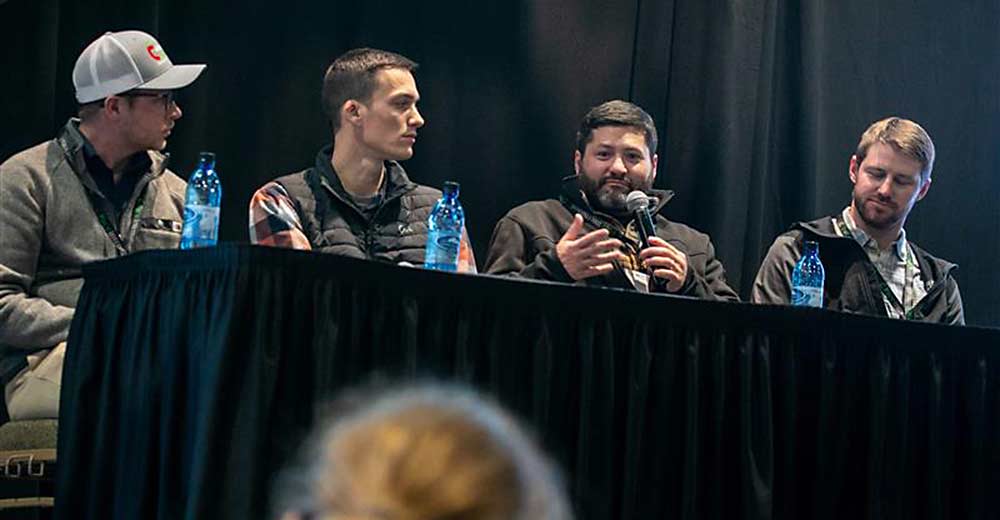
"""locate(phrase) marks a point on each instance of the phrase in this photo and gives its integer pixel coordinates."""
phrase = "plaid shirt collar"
(868, 243)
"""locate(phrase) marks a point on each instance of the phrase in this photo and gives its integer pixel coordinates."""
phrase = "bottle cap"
(207, 159)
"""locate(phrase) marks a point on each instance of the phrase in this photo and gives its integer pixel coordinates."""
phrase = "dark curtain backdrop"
(760, 102)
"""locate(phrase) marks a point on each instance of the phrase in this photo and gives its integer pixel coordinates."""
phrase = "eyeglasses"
(167, 96)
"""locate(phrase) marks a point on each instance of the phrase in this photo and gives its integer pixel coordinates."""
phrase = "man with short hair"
(589, 236)
(99, 190)
(871, 267)
(356, 200)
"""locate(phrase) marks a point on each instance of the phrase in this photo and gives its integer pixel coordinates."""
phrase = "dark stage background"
(760, 103)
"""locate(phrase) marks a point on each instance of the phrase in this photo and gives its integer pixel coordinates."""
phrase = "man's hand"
(588, 255)
(666, 262)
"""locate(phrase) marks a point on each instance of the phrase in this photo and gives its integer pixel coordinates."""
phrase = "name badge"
(639, 279)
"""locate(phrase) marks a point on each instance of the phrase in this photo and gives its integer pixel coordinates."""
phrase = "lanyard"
(912, 314)
(107, 225)
(97, 204)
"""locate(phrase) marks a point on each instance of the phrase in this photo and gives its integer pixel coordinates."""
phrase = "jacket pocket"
(161, 224)
(157, 233)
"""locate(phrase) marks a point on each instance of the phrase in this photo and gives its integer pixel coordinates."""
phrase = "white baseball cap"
(121, 61)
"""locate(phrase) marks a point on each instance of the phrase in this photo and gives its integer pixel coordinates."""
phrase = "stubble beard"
(872, 219)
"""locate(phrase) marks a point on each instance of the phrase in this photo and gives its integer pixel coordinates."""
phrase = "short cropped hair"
(428, 452)
(616, 113)
(905, 136)
(352, 76)
(87, 111)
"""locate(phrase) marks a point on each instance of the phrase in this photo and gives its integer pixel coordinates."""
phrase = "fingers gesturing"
(588, 255)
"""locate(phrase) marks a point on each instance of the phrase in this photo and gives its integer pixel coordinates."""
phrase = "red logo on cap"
(153, 52)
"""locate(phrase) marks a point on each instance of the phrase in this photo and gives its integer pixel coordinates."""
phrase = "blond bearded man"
(871, 266)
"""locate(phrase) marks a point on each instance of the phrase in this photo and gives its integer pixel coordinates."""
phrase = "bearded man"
(871, 267)
(589, 236)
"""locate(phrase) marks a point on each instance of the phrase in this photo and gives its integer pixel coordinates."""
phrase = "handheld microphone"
(637, 204)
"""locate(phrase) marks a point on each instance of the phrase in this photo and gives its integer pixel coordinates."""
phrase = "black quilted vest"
(333, 224)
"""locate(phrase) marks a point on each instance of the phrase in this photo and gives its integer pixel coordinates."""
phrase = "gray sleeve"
(26, 321)
(773, 283)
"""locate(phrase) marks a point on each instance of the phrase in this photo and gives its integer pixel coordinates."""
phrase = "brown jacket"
(524, 244)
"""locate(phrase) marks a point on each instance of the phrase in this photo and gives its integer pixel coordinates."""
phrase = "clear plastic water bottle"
(808, 277)
(201, 205)
(444, 231)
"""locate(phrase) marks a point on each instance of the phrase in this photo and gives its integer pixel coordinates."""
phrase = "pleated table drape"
(192, 377)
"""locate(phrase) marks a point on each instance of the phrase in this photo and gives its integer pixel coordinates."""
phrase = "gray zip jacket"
(852, 282)
(50, 227)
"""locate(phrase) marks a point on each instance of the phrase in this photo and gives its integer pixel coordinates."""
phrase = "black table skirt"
(192, 377)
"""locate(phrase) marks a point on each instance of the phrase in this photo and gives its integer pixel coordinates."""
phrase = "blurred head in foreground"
(430, 452)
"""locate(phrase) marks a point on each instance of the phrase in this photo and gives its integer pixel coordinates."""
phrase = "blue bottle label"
(804, 296)
(203, 221)
(448, 244)
(442, 250)
(191, 217)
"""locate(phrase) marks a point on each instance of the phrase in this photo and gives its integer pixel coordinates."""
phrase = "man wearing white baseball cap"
(99, 190)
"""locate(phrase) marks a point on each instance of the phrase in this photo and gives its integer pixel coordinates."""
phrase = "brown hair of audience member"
(433, 453)
(352, 76)
(904, 135)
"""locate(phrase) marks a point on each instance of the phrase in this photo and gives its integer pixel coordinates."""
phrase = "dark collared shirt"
(117, 193)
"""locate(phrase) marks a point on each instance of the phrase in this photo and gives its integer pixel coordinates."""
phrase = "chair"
(27, 468)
